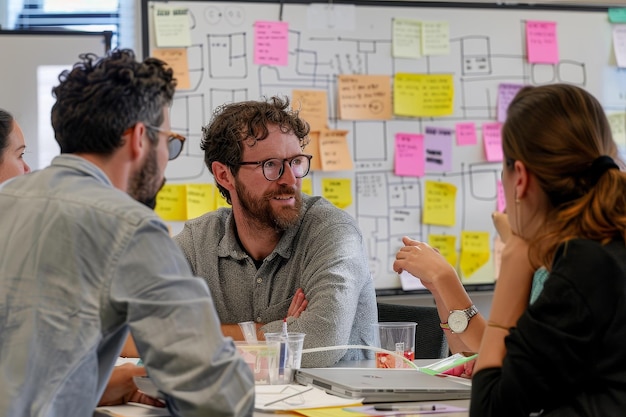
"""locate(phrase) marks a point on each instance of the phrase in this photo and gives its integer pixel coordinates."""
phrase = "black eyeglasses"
(175, 142)
(273, 168)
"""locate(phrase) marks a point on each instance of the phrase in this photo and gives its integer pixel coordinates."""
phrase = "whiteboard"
(25, 56)
(487, 47)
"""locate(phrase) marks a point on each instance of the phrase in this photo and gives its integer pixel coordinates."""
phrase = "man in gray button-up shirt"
(275, 240)
(82, 262)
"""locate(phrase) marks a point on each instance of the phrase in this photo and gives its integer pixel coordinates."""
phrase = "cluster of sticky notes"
(172, 26)
(180, 202)
(414, 38)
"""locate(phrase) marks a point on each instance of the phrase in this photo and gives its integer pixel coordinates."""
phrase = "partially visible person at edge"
(121, 387)
(83, 262)
(278, 253)
(12, 147)
(562, 355)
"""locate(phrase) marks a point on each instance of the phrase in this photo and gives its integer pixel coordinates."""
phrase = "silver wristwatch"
(458, 320)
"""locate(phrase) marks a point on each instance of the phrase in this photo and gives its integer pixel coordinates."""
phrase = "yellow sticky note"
(171, 202)
(331, 412)
(435, 38)
(446, 245)
(406, 38)
(439, 203)
(334, 151)
(338, 191)
(220, 201)
(307, 186)
(423, 95)
(475, 251)
(617, 121)
(200, 199)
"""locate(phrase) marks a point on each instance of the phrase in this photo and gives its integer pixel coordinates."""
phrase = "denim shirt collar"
(82, 165)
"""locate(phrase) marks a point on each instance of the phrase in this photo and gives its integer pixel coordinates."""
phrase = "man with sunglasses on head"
(278, 253)
(83, 262)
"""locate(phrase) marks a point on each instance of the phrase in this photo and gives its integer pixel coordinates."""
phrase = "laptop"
(385, 385)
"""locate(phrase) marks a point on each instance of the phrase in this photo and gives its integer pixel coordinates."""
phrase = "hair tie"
(599, 166)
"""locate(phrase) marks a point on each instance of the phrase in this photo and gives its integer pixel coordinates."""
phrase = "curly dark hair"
(6, 127)
(101, 97)
(247, 122)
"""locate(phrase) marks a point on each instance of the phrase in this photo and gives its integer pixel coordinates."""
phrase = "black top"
(567, 355)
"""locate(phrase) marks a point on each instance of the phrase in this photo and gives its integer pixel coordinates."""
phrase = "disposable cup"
(397, 337)
(262, 358)
(290, 355)
(248, 328)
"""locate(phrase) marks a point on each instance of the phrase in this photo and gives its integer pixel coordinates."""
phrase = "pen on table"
(405, 407)
(287, 397)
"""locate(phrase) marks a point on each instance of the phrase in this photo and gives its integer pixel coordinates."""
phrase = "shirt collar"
(82, 165)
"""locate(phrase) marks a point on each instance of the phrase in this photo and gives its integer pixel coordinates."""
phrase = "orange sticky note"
(334, 151)
(364, 97)
(176, 58)
(313, 148)
(312, 106)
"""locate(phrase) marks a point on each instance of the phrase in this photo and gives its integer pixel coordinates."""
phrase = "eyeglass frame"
(171, 137)
(282, 166)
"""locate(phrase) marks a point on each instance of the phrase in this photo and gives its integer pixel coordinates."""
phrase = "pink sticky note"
(501, 201)
(438, 149)
(271, 43)
(465, 134)
(492, 139)
(542, 45)
(506, 93)
(409, 159)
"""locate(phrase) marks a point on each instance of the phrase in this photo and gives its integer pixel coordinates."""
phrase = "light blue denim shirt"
(82, 262)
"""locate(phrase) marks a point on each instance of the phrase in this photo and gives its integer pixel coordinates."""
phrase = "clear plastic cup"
(397, 337)
(290, 355)
(248, 328)
(262, 357)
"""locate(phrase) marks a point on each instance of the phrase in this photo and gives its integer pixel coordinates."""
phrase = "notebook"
(384, 385)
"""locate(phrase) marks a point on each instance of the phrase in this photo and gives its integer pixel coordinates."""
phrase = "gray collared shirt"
(324, 255)
(80, 263)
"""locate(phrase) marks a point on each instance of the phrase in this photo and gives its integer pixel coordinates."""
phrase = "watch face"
(457, 320)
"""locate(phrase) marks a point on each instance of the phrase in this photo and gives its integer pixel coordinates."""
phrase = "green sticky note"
(617, 14)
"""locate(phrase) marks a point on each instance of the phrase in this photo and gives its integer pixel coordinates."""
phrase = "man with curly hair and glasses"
(278, 253)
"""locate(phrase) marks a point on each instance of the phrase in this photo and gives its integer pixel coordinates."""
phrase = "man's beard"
(260, 210)
(145, 185)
